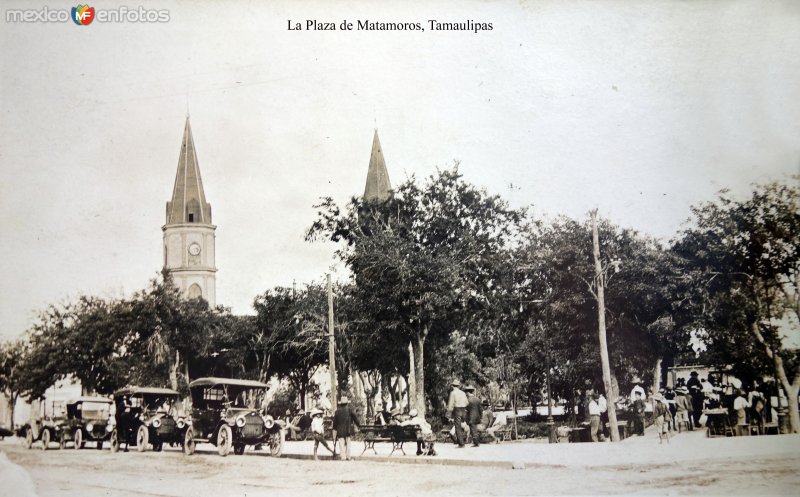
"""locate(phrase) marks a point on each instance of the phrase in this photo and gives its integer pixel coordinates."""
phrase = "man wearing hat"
(474, 413)
(457, 410)
(661, 416)
(318, 430)
(683, 407)
(698, 397)
(343, 421)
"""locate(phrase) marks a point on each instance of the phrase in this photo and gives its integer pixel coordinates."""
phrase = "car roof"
(89, 399)
(145, 390)
(210, 381)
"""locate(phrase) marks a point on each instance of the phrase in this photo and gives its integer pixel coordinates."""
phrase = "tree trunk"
(358, 387)
(419, 374)
(601, 319)
(791, 388)
(386, 392)
(794, 413)
(173, 371)
(412, 378)
(369, 393)
(657, 376)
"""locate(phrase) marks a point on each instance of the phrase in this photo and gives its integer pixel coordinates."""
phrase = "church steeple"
(378, 187)
(188, 203)
(189, 253)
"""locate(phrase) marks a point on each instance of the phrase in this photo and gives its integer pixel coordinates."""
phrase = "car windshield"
(219, 396)
(94, 410)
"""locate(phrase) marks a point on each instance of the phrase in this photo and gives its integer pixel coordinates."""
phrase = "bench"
(396, 434)
(504, 433)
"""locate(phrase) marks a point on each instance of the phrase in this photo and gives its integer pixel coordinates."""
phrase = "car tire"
(188, 442)
(142, 437)
(224, 440)
(114, 440)
(276, 443)
(28, 438)
(238, 449)
(45, 438)
(77, 439)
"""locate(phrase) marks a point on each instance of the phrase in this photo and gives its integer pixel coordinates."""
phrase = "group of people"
(467, 412)
(683, 406)
(343, 428)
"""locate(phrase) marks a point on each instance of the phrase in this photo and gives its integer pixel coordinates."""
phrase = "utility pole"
(551, 425)
(331, 345)
(601, 320)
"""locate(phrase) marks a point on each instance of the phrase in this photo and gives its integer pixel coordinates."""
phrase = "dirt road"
(93, 473)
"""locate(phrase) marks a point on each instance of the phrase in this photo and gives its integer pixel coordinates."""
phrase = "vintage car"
(47, 427)
(228, 414)
(87, 421)
(146, 415)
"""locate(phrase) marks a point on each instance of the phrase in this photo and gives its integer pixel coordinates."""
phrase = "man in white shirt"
(500, 420)
(594, 418)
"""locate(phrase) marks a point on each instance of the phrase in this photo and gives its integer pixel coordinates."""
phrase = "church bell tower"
(188, 232)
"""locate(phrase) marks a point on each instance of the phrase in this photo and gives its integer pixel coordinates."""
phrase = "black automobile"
(47, 427)
(87, 421)
(146, 415)
(227, 413)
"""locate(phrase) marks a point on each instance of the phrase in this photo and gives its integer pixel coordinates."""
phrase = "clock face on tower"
(194, 249)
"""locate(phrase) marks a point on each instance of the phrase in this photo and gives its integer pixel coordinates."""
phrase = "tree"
(422, 258)
(293, 326)
(79, 340)
(744, 258)
(11, 357)
(558, 314)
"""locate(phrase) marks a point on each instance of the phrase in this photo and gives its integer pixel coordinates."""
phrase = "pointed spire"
(188, 203)
(378, 187)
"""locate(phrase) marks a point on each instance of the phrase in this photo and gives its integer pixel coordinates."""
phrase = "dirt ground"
(93, 473)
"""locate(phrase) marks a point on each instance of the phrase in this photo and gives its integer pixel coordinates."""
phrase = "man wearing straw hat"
(457, 409)
(318, 430)
(343, 421)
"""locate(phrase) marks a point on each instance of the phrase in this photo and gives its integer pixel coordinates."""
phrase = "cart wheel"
(142, 437)
(77, 439)
(28, 438)
(45, 438)
(188, 442)
(224, 440)
(114, 440)
(276, 443)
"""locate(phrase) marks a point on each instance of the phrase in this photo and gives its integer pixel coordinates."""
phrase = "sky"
(639, 109)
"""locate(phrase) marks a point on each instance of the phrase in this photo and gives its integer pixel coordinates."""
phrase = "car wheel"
(45, 438)
(188, 442)
(77, 438)
(276, 444)
(238, 449)
(62, 441)
(224, 440)
(142, 437)
(114, 440)
(28, 438)
(157, 446)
